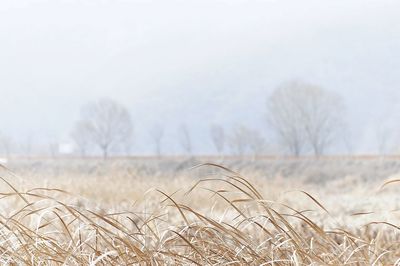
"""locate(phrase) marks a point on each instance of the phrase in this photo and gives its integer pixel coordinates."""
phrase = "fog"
(195, 62)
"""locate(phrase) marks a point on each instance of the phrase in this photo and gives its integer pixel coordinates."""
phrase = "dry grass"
(221, 219)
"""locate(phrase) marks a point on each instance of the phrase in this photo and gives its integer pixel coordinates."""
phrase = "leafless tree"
(386, 128)
(108, 124)
(185, 139)
(382, 137)
(26, 146)
(257, 143)
(53, 148)
(347, 138)
(386, 139)
(246, 141)
(157, 133)
(238, 140)
(6, 145)
(218, 137)
(81, 135)
(305, 116)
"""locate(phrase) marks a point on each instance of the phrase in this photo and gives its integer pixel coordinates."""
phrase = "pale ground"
(344, 186)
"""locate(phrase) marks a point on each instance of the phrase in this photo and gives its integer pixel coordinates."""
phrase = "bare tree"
(218, 137)
(257, 143)
(6, 145)
(53, 148)
(386, 130)
(286, 122)
(238, 140)
(347, 138)
(304, 116)
(246, 141)
(26, 146)
(108, 124)
(386, 139)
(81, 135)
(185, 139)
(157, 134)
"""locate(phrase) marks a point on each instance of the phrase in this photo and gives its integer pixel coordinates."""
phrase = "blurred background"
(158, 78)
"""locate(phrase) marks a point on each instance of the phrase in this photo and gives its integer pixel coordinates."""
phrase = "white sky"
(194, 61)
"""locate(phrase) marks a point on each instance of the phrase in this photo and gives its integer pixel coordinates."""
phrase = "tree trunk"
(105, 153)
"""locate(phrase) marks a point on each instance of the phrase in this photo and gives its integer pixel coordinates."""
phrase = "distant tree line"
(301, 118)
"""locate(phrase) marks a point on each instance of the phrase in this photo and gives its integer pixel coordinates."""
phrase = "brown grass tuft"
(45, 227)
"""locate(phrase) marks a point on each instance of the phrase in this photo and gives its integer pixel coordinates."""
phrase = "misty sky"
(194, 62)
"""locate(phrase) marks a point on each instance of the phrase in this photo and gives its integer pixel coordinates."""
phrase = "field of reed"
(189, 212)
